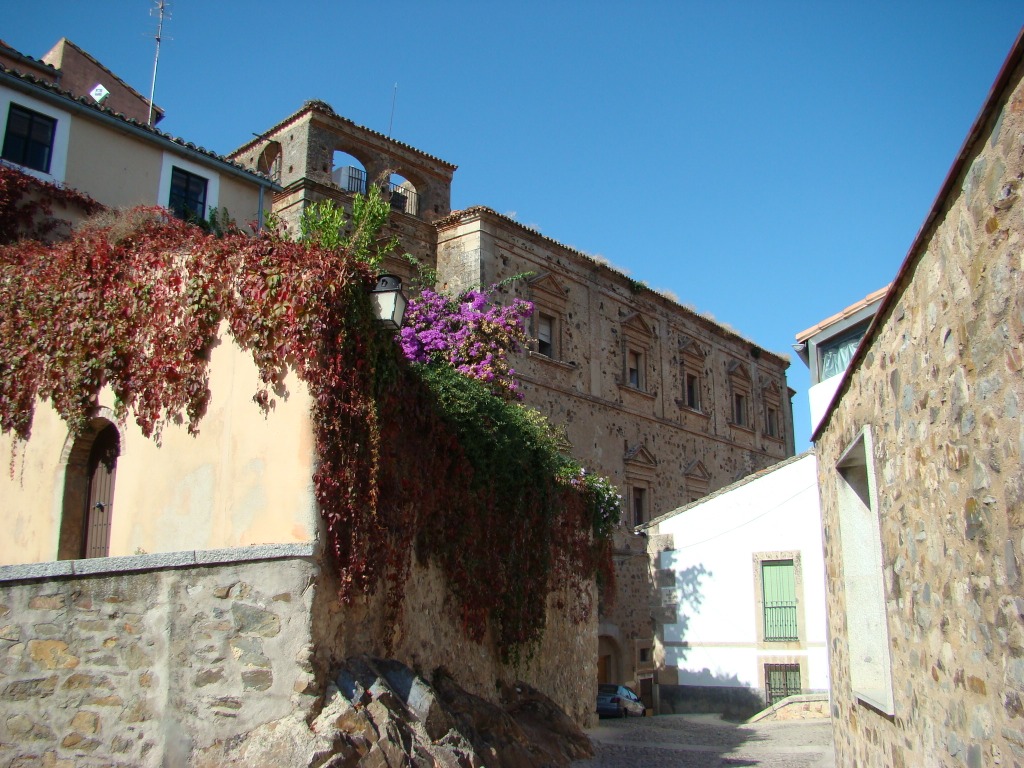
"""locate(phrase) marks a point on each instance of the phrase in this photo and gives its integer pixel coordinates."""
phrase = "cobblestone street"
(705, 741)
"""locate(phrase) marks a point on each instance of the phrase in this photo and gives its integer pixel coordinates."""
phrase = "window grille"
(780, 681)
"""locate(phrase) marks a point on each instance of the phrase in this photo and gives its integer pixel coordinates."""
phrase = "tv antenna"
(162, 12)
(394, 97)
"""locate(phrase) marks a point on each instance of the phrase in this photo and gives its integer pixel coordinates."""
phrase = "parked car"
(618, 701)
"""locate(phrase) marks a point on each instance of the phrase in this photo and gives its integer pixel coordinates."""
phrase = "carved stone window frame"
(549, 301)
(640, 470)
(692, 363)
(771, 398)
(637, 344)
(697, 479)
(740, 391)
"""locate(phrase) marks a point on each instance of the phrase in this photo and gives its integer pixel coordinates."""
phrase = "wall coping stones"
(98, 566)
(800, 698)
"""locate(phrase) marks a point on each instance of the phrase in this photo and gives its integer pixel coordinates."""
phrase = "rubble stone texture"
(940, 389)
(239, 663)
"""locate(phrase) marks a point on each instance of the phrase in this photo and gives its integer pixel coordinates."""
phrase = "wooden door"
(101, 468)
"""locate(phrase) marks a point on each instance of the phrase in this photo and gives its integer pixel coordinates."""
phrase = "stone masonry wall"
(429, 636)
(941, 389)
(139, 667)
(185, 658)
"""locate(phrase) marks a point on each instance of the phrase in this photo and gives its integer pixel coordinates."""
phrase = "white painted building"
(742, 582)
(827, 348)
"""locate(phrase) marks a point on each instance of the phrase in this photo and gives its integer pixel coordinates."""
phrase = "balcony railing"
(780, 622)
(403, 198)
(350, 178)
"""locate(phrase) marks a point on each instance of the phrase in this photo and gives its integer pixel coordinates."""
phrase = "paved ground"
(705, 741)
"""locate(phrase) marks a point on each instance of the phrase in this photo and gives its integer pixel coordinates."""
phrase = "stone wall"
(939, 388)
(137, 661)
(177, 658)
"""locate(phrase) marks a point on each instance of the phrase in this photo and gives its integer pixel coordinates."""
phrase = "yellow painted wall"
(241, 200)
(112, 167)
(245, 479)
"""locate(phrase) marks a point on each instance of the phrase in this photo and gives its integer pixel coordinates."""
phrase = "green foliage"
(501, 509)
(325, 224)
(424, 275)
(219, 223)
(637, 286)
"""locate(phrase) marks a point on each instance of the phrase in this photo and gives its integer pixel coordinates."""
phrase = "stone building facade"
(664, 401)
(919, 462)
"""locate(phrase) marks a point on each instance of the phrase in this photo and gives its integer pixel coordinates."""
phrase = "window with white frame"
(188, 195)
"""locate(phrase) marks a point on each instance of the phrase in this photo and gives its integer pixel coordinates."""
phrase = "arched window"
(89, 492)
(270, 161)
(348, 173)
(404, 197)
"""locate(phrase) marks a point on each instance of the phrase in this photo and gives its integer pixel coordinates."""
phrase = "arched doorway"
(89, 492)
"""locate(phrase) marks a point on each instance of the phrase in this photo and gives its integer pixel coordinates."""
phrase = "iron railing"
(780, 622)
(780, 681)
(403, 199)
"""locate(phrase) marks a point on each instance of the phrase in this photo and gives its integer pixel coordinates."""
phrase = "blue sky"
(767, 163)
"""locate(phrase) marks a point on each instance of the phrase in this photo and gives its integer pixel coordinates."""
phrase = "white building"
(742, 585)
(827, 347)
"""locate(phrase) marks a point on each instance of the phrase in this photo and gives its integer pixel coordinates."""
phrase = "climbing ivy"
(410, 457)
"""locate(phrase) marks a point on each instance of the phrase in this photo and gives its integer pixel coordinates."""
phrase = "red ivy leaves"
(26, 205)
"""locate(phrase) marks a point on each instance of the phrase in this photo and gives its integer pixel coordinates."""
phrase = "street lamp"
(389, 301)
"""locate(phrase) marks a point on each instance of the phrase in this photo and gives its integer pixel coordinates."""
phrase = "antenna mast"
(161, 7)
(391, 122)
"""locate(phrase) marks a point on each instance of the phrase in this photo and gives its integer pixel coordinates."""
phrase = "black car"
(618, 701)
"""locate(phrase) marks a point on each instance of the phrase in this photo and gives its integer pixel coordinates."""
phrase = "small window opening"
(692, 394)
(739, 409)
(639, 506)
(545, 334)
(634, 369)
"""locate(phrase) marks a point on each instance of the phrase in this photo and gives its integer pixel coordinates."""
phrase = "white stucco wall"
(715, 640)
(820, 397)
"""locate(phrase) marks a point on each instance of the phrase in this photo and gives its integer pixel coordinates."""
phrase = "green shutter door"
(778, 584)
